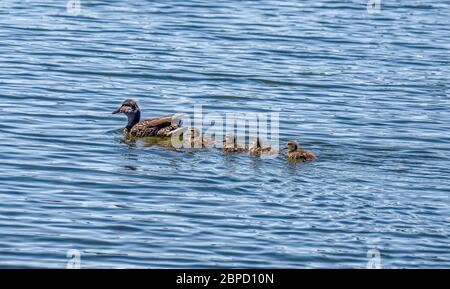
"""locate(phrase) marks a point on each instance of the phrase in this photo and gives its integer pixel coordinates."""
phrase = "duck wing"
(161, 126)
(161, 121)
(301, 155)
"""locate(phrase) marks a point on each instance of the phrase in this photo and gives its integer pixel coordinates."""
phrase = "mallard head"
(132, 110)
(292, 146)
(128, 107)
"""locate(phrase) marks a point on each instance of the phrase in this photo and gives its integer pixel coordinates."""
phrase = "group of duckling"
(169, 125)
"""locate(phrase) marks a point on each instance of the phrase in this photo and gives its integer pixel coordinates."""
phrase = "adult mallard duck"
(162, 126)
(294, 154)
(231, 145)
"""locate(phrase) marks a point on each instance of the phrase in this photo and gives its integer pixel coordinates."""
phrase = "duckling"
(197, 141)
(294, 154)
(194, 139)
(162, 126)
(231, 145)
(257, 148)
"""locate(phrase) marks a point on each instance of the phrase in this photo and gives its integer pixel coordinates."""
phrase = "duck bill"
(116, 111)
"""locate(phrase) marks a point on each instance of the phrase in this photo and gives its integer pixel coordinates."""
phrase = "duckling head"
(132, 110)
(292, 146)
(256, 143)
(194, 132)
(230, 140)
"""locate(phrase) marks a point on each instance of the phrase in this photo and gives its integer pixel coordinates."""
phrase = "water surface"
(368, 93)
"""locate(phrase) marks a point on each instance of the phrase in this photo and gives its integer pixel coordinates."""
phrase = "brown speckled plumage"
(231, 145)
(196, 140)
(153, 127)
(294, 154)
(258, 150)
(162, 126)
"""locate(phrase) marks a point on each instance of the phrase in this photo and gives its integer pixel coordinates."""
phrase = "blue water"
(368, 93)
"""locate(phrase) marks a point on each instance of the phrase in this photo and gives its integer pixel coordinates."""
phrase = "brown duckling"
(258, 150)
(197, 141)
(294, 154)
(231, 145)
(162, 126)
(194, 139)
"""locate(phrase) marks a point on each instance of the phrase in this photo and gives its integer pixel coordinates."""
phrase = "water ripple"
(367, 92)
